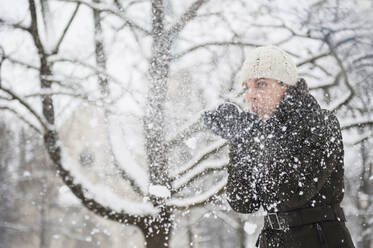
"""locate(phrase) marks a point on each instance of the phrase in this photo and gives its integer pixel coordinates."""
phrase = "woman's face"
(263, 95)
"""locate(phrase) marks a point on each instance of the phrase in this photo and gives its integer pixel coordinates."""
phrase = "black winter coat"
(292, 160)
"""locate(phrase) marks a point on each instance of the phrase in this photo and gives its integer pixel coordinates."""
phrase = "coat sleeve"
(226, 121)
(300, 160)
(241, 190)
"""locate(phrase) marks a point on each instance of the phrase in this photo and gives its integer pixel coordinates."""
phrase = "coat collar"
(296, 102)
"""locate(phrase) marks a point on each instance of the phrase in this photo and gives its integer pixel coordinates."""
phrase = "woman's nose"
(251, 96)
(251, 101)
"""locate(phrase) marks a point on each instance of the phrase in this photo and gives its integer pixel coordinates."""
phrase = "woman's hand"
(224, 121)
(230, 123)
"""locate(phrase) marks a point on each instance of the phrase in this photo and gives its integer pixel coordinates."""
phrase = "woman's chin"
(253, 112)
(266, 117)
(261, 116)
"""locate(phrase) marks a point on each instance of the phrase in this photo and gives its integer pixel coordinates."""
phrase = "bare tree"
(162, 187)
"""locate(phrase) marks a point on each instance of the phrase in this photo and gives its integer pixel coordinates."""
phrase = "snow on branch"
(16, 61)
(26, 105)
(188, 15)
(338, 103)
(95, 69)
(361, 122)
(344, 72)
(324, 85)
(14, 25)
(159, 191)
(215, 43)
(124, 157)
(110, 9)
(186, 133)
(313, 59)
(102, 194)
(63, 34)
(203, 154)
(357, 139)
(198, 171)
(198, 200)
(21, 117)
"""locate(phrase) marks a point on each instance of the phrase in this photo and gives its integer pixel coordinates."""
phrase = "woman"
(286, 155)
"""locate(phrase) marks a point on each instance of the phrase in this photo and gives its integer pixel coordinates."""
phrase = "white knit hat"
(269, 62)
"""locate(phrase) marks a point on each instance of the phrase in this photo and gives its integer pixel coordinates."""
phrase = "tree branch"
(284, 26)
(33, 29)
(15, 61)
(189, 14)
(57, 47)
(14, 25)
(199, 158)
(107, 8)
(341, 101)
(329, 85)
(345, 75)
(21, 118)
(186, 133)
(208, 44)
(199, 200)
(356, 123)
(96, 69)
(313, 59)
(360, 139)
(197, 173)
(26, 105)
(51, 139)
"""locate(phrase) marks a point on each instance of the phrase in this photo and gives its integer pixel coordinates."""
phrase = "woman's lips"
(254, 109)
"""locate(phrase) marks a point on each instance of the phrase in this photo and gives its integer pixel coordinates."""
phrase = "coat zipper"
(321, 236)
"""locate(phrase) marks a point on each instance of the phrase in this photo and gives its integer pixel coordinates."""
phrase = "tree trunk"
(154, 118)
(159, 240)
(100, 53)
(157, 230)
